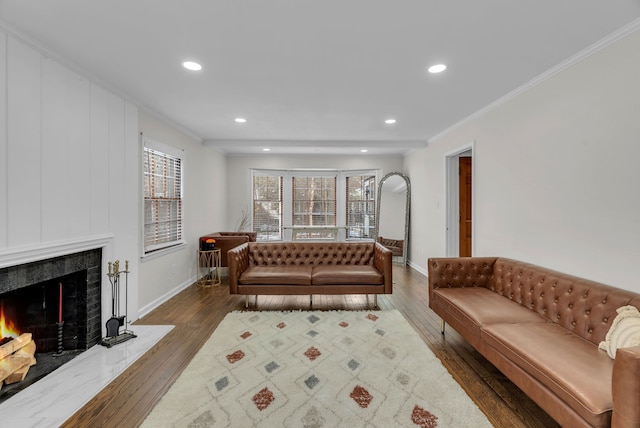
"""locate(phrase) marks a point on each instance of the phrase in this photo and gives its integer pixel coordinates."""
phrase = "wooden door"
(464, 168)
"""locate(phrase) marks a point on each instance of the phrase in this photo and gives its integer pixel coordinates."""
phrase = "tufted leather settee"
(541, 329)
(310, 267)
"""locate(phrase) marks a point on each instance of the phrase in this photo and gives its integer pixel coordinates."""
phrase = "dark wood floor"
(196, 312)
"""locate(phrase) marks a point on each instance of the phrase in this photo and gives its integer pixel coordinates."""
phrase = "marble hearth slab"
(56, 397)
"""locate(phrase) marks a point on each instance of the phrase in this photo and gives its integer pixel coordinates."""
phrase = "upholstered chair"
(228, 240)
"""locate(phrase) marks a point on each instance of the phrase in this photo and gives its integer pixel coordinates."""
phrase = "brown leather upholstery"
(310, 267)
(228, 240)
(541, 328)
(395, 245)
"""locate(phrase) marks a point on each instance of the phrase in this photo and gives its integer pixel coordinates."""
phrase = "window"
(314, 204)
(163, 205)
(267, 207)
(361, 207)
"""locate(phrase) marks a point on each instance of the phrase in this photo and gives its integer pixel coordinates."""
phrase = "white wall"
(68, 154)
(204, 185)
(70, 175)
(239, 175)
(556, 178)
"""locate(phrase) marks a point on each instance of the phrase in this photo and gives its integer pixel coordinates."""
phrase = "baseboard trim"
(145, 310)
(417, 267)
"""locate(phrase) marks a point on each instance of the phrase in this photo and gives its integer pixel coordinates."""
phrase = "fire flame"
(7, 327)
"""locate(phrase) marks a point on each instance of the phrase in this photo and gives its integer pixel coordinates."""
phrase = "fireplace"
(30, 299)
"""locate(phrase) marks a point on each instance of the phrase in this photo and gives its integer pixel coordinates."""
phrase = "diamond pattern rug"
(315, 369)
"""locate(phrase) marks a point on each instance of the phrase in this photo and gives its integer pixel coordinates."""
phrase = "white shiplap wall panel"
(24, 133)
(79, 184)
(131, 201)
(99, 139)
(4, 226)
(117, 210)
(54, 165)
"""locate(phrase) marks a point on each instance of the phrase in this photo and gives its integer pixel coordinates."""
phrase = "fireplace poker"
(116, 321)
(126, 295)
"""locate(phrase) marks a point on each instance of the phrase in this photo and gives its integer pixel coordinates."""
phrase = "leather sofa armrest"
(382, 260)
(454, 272)
(226, 243)
(238, 262)
(626, 388)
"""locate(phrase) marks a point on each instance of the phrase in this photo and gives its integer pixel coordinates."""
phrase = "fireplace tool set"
(116, 321)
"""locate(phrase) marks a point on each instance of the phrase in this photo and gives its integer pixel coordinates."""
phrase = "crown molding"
(569, 62)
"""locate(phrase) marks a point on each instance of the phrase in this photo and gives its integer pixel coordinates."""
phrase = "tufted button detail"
(555, 300)
(558, 316)
(588, 311)
(570, 305)
(570, 290)
(604, 301)
(605, 319)
(542, 294)
(573, 323)
(590, 331)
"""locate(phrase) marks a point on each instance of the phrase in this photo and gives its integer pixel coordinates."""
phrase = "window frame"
(169, 152)
(262, 173)
(369, 204)
(287, 195)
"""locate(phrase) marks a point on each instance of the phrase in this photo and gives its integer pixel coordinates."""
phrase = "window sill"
(163, 252)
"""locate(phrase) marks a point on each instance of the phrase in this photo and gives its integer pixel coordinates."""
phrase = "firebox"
(40, 308)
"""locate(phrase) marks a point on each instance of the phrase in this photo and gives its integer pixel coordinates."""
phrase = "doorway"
(460, 202)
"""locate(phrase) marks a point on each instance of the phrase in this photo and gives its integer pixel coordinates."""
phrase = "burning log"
(16, 357)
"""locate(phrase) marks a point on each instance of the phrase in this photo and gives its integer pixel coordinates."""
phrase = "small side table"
(208, 268)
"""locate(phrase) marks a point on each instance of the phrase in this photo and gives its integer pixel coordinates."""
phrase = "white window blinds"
(163, 219)
(267, 207)
(361, 211)
(314, 204)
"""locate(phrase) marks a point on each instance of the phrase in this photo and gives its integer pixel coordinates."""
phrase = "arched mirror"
(392, 227)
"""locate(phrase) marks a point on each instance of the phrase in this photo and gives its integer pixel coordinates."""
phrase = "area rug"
(315, 369)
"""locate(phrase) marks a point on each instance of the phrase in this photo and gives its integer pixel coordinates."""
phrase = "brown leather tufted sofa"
(541, 328)
(310, 267)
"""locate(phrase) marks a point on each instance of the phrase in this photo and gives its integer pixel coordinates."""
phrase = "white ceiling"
(315, 76)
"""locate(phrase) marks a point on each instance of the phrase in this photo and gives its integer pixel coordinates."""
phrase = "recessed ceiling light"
(390, 121)
(266, 149)
(438, 68)
(363, 150)
(240, 119)
(193, 66)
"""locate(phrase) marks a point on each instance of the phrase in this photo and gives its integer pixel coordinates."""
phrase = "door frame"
(452, 192)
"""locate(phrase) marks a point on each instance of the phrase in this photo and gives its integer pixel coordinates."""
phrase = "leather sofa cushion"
(567, 364)
(346, 274)
(276, 275)
(479, 306)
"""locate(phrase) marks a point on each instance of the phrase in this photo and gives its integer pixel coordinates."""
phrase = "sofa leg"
(246, 301)
(310, 301)
(442, 324)
(375, 301)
